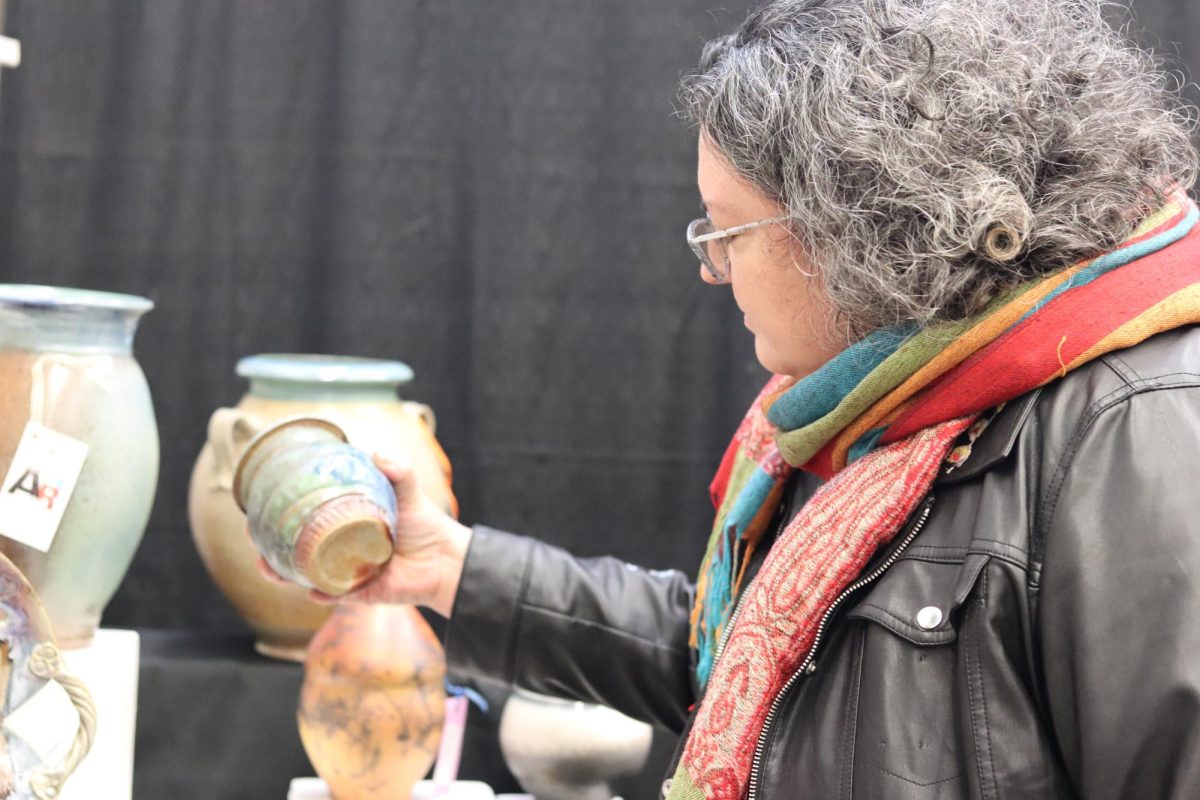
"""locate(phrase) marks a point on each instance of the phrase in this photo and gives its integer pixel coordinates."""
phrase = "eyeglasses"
(711, 246)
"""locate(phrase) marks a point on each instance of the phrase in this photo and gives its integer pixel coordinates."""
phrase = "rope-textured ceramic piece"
(46, 662)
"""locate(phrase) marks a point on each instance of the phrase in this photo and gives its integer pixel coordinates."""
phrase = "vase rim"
(37, 296)
(319, 368)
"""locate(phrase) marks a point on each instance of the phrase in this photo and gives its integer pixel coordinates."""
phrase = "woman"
(956, 551)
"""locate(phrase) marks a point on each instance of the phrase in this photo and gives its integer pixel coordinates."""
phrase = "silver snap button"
(929, 617)
(666, 788)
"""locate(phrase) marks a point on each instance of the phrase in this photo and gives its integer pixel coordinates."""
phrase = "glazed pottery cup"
(319, 510)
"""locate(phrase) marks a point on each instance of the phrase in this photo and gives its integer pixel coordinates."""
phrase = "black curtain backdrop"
(493, 192)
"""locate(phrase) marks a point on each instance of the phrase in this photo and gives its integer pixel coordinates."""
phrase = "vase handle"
(229, 429)
(424, 412)
(46, 662)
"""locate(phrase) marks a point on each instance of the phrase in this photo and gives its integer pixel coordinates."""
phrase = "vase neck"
(323, 391)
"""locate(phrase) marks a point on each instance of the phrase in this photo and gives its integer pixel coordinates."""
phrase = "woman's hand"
(431, 547)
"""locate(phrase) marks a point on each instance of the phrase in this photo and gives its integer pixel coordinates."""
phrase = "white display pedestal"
(315, 789)
(109, 667)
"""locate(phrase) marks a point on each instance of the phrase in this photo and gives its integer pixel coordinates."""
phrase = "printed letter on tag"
(38, 485)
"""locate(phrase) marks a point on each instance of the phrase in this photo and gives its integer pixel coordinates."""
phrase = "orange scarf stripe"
(1182, 308)
(891, 405)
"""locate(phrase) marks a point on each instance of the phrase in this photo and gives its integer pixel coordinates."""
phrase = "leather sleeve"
(1118, 620)
(600, 630)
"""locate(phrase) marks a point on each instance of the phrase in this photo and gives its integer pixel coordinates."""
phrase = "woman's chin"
(794, 365)
(772, 361)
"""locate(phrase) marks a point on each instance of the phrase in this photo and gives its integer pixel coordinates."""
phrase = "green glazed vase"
(66, 362)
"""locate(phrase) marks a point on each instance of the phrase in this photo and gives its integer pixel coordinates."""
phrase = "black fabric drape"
(493, 192)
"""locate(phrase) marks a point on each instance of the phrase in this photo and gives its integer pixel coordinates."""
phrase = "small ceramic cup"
(319, 510)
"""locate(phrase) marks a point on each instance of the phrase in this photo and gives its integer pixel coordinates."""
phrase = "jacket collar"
(996, 443)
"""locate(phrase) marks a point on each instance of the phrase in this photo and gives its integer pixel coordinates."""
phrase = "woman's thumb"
(402, 477)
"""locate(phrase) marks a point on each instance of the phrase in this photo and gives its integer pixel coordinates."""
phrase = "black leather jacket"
(1038, 637)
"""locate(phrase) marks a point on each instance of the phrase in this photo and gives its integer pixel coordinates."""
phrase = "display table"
(109, 668)
(315, 789)
(217, 720)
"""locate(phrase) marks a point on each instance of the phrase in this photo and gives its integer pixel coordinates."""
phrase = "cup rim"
(262, 436)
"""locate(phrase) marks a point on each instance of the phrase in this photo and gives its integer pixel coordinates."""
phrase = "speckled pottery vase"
(568, 750)
(66, 362)
(357, 394)
(373, 701)
(319, 511)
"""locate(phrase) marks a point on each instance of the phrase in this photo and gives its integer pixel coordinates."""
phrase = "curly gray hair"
(934, 152)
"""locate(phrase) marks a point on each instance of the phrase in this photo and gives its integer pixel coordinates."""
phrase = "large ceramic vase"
(568, 750)
(360, 396)
(66, 363)
(373, 701)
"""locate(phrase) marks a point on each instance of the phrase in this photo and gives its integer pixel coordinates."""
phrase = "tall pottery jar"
(373, 701)
(360, 396)
(66, 366)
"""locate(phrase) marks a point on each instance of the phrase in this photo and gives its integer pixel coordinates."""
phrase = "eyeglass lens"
(712, 252)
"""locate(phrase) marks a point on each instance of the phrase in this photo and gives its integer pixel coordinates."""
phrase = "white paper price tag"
(38, 486)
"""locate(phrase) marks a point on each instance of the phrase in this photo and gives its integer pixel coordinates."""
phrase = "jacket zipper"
(809, 665)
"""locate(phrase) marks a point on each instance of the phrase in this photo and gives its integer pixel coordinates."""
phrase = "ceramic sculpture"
(29, 659)
(66, 365)
(360, 396)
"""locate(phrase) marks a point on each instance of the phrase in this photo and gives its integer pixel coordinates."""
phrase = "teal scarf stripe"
(865, 444)
(1119, 258)
(720, 589)
(820, 393)
(749, 500)
(717, 598)
(723, 567)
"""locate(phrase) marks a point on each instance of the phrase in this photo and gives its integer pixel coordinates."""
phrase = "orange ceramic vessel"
(373, 701)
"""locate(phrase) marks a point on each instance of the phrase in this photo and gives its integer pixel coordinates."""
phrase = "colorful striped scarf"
(878, 420)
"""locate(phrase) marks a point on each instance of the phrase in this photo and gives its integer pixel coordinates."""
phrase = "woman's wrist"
(452, 558)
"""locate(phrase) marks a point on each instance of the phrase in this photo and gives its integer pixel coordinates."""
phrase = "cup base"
(344, 544)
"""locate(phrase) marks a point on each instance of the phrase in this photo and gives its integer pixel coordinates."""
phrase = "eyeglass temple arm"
(721, 234)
